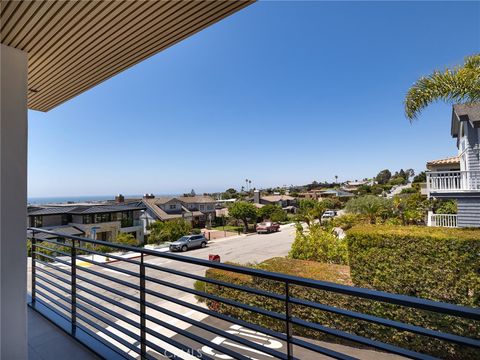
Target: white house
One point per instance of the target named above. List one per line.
(458, 177)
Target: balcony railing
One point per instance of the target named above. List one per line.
(453, 181)
(442, 220)
(126, 316)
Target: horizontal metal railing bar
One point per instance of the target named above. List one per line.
(218, 282)
(52, 300)
(217, 331)
(50, 265)
(52, 250)
(362, 340)
(108, 300)
(106, 266)
(108, 333)
(196, 338)
(110, 323)
(55, 276)
(107, 288)
(108, 311)
(170, 341)
(233, 303)
(403, 300)
(50, 282)
(219, 315)
(51, 241)
(109, 255)
(321, 350)
(54, 259)
(390, 323)
(109, 278)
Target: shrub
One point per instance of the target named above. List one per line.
(196, 231)
(434, 263)
(126, 239)
(319, 245)
(168, 231)
(370, 206)
(410, 190)
(338, 274)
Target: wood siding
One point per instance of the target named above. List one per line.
(74, 45)
(468, 212)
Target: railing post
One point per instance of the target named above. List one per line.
(143, 334)
(33, 249)
(73, 282)
(288, 325)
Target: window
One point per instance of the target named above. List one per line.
(202, 207)
(37, 221)
(101, 218)
(172, 206)
(66, 218)
(88, 219)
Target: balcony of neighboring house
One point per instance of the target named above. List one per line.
(453, 181)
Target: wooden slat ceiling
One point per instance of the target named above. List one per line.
(74, 45)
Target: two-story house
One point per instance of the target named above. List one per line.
(286, 202)
(198, 210)
(98, 221)
(458, 177)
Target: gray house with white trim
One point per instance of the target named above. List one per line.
(458, 177)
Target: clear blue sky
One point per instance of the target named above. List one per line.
(280, 93)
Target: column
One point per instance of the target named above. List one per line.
(13, 203)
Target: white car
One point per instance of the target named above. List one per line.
(328, 214)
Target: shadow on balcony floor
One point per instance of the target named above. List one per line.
(47, 342)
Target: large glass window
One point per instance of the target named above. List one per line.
(101, 218)
(37, 221)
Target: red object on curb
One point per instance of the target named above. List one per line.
(213, 257)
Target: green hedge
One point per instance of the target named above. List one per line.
(338, 274)
(435, 263)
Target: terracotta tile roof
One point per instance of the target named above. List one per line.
(453, 160)
(276, 198)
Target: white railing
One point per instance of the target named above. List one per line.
(447, 181)
(442, 220)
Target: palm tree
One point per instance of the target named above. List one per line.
(458, 85)
(336, 179)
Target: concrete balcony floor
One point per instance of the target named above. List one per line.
(48, 342)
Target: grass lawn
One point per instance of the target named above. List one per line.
(231, 228)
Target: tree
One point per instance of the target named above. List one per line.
(383, 176)
(126, 239)
(168, 231)
(458, 85)
(272, 212)
(370, 206)
(420, 177)
(243, 211)
(411, 209)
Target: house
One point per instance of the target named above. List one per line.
(198, 210)
(354, 185)
(322, 194)
(97, 221)
(458, 177)
(286, 202)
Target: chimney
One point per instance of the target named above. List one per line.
(256, 196)
(119, 199)
(148, 196)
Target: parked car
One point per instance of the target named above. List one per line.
(189, 242)
(267, 227)
(328, 214)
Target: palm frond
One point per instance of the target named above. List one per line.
(458, 85)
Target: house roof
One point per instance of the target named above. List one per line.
(200, 199)
(74, 45)
(464, 112)
(276, 198)
(85, 209)
(64, 229)
(339, 193)
(453, 160)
